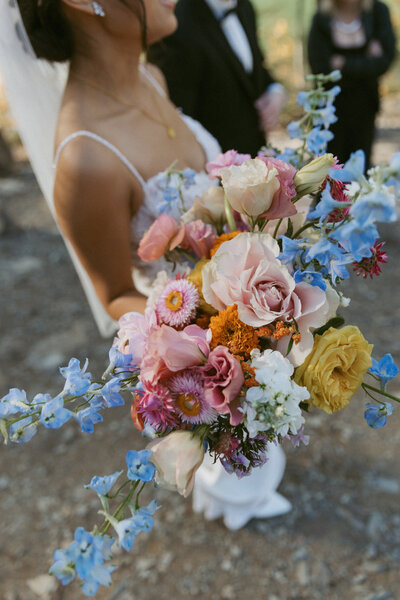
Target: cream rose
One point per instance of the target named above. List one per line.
(335, 368)
(310, 178)
(209, 208)
(250, 187)
(177, 457)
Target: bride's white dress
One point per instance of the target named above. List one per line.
(216, 493)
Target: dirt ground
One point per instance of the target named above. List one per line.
(340, 542)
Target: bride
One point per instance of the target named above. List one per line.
(116, 132)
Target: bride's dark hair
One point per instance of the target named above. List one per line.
(50, 32)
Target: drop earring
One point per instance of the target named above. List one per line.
(98, 9)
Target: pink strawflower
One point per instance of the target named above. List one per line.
(177, 303)
(190, 402)
(370, 266)
(226, 159)
(156, 406)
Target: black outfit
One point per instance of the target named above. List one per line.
(207, 80)
(358, 102)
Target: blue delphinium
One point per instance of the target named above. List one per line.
(13, 403)
(87, 419)
(374, 206)
(22, 431)
(356, 238)
(385, 369)
(353, 169)
(139, 465)
(86, 558)
(77, 380)
(376, 414)
(111, 393)
(54, 415)
(326, 205)
(317, 140)
(291, 249)
(314, 278)
(102, 485)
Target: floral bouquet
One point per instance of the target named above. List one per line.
(242, 335)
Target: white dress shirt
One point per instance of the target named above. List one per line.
(233, 31)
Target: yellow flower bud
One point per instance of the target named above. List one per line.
(310, 178)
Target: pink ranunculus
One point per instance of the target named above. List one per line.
(199, 237)
(134, 330)
(164, 234)
(168, 351)
(223, 379)
(246, 271)
(281, 205)
(227, 159)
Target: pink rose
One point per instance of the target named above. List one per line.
(246, 271)
(169, 351)
(281, 205)
(199, 237)
(134, 329)
(223, 379)
(164, 234)
(226, 159)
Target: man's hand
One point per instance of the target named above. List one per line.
(375, 49)
(269, 107)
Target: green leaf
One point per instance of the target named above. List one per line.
(290, 346)
(336, 322)
(304, 406)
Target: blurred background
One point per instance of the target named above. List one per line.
(342, 539)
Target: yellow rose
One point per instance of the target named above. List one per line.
(196, 278)
(310, 178)
(335, 368)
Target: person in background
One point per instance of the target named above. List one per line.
(215, 72)
(356, 37)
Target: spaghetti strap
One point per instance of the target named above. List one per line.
(100, 140)
(152, 80)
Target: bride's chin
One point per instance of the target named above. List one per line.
(155, 35)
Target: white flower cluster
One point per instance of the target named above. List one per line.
(274, 403)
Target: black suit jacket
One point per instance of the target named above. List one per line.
(207, 80)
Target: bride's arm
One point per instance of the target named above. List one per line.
(94, 195)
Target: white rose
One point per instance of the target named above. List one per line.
(250, 187)
(209, 208)
(177, 457)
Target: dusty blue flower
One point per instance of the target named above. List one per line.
(325, 206)
(139, 465)
(87, 418)
(291, 249)
(353, 169)
(54, 415)
(317, 140)
(22, 431)
(375, 206)
(64, 565)
(102, 485)
(14, 402)
(356, 238)
(311, 277)
(295, 129)
(376, 414)
(385, 368)
(77, 380)
(110, 393)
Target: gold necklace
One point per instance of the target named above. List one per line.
(170, 130)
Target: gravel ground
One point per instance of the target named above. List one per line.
(340, 542)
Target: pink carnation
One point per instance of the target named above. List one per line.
(223, 379)
(282, 205)
(226, 159)
(199, 237)
(164, 234)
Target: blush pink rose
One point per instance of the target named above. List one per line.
(134, 330)
(281, 205)
(168, 351)
(226, 159)
(164, 234)
(246, 271)
(199, 237)
(223, 379)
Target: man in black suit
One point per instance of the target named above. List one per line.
(215, 72)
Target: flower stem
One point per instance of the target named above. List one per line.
(366, 386)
